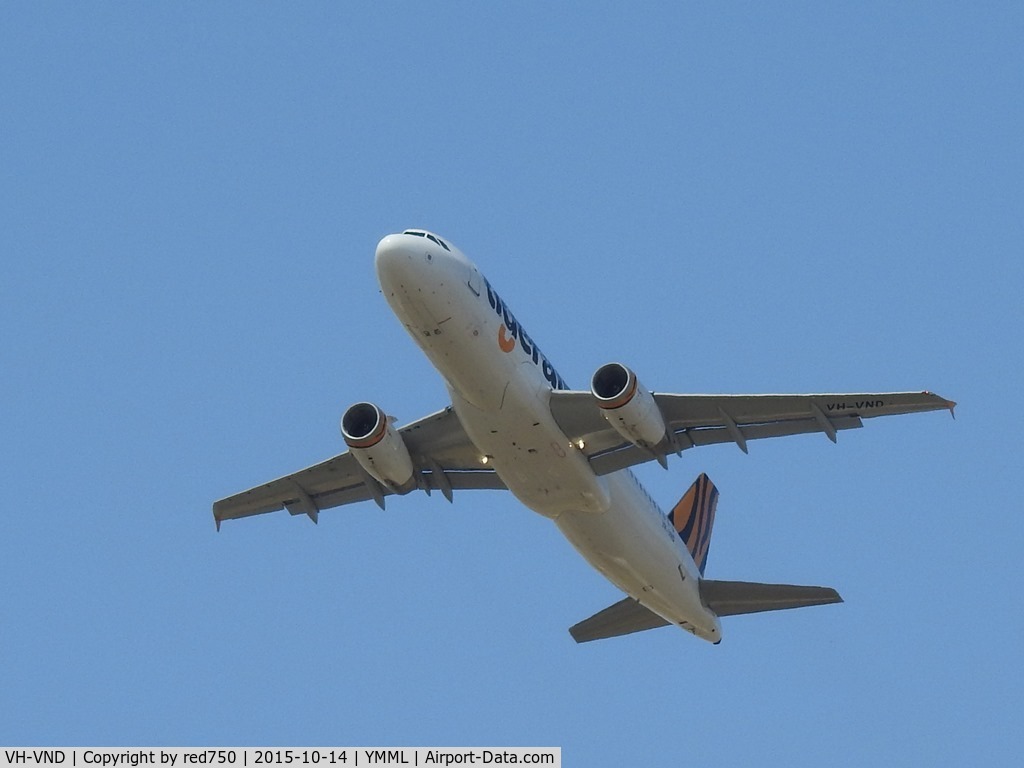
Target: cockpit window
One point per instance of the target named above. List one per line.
(429, 236)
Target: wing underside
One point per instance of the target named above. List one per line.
(444, 457)
(446, 460)
(697, 420)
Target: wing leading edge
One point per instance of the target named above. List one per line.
(695, 420)
(444, 457)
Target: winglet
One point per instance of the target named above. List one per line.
(950, 404)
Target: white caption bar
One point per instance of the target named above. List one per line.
(322, 757)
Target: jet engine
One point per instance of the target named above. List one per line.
(378, 447)
(628, 406)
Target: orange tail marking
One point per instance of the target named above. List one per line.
(694, 516)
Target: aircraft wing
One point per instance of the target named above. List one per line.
(444, 457)
(695, 420)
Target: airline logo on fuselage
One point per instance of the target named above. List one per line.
(510, 331)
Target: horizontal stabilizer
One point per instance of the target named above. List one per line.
(731, 598)
(724, 598)
(623, 618)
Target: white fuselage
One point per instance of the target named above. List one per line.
(500, 385)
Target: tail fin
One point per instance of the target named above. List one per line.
(693, 517)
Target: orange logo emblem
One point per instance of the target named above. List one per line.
(504, 342)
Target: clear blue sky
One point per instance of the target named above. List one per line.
(755, 198)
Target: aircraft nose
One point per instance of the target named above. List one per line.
(391, 253)
(396, 258)
(414, 259)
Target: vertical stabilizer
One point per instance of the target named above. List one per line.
(693, 518)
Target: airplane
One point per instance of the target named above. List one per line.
(514, 424)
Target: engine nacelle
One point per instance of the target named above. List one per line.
(628, 406)
(378, 447)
